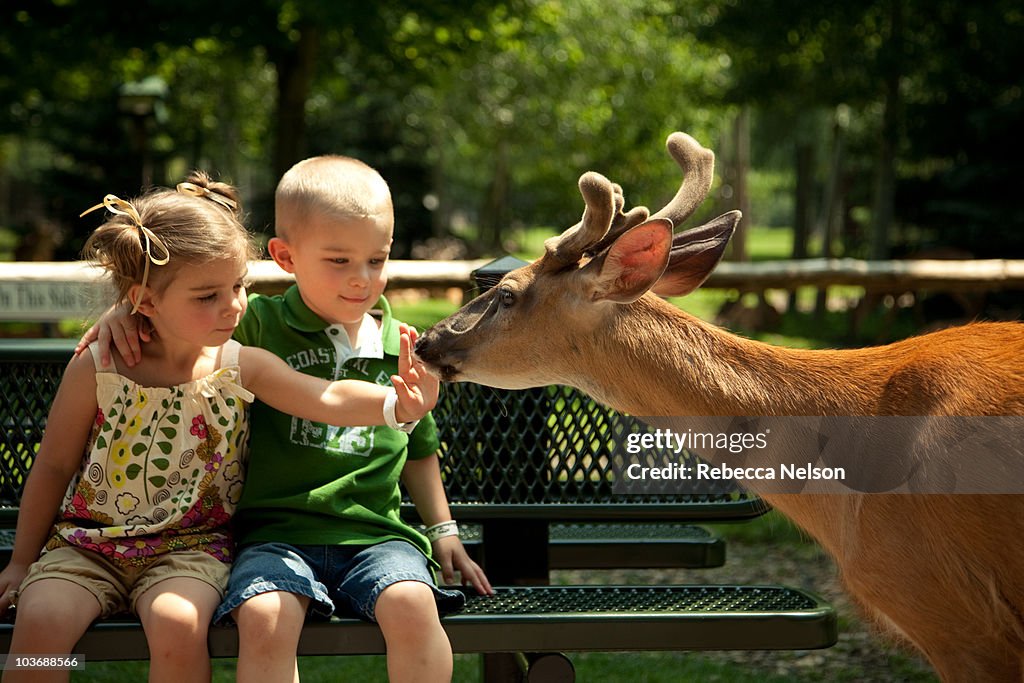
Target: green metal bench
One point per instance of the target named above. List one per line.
(531, 482)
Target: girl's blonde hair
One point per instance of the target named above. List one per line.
(147, 239)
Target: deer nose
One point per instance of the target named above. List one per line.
(423, 345)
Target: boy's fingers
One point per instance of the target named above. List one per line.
(405, 392)
(104, 340)
(479, 581)
(89, 337)
(447, 571)
(127, 344)
(408, 365)
(404, 353)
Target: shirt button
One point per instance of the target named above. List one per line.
(334, 331)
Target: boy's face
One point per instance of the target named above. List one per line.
(338, 263)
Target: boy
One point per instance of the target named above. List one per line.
(318, 524)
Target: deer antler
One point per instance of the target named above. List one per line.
(604, 221)
(698, 165)
(599, 197)
(621, 222)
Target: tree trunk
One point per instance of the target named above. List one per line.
(494, 214)
(802, 205)
(295, 67)
(831, 213)
(885, 180)
(741, 192)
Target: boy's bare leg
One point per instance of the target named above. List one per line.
(269, 626)
(418, 646)
(51, 617)
(175, 615)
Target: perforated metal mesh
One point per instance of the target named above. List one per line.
(28, 383)
(549, 446)
(636, 532)
(582, 531)
(553, 445)
(634, 599)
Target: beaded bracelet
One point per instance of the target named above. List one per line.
(440, 530)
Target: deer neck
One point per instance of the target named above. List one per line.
(658, 360)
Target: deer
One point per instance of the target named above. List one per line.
(941, 572)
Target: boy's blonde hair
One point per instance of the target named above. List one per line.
(148, 238)
(331, 185)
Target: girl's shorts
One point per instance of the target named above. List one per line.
(338, 579)
(118, 588)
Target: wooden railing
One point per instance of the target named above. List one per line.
(49, 291)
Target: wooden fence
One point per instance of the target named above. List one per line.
(46, 292)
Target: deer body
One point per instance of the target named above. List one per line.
(943, 571)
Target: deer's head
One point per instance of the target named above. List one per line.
(534, 326)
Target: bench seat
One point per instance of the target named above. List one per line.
(554, 619)
(529, 476)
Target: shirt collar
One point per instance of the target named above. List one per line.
(300, 317)
(369, 340)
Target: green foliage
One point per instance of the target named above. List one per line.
(589, 85)
(487, 113)
(936, 84)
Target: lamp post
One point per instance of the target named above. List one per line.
(143, 103)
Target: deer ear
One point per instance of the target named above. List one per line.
(633, 262)
(695, 253)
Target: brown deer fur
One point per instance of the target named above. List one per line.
(945, 572)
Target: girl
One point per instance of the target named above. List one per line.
(142, 521)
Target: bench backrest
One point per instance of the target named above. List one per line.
(536, 454)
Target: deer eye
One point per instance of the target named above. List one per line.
(507, 297)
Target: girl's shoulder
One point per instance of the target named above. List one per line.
(252, 359)
(149, 375)
(81, 370)
(78, 381)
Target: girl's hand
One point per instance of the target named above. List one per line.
(451, 555)
(417, 389)
(10, 581)
(119, 326)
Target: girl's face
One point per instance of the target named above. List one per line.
(202, 305)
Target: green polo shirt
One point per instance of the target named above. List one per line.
(310, 483)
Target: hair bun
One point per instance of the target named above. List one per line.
(200, 184)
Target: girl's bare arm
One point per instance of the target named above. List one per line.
(71, 417)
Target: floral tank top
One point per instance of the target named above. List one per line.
(163, 468)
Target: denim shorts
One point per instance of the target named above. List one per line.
(338, 579)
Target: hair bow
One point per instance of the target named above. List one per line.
(204, 192)
(147, 238)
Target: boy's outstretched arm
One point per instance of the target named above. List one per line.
(422, 479)
(343, 403)
(117, 325)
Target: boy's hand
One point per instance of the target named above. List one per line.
(417, 389)
(119, 326)
(451, 555)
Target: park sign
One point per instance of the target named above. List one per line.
(36, 291)
(31, 292)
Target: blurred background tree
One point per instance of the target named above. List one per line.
(873, 129)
